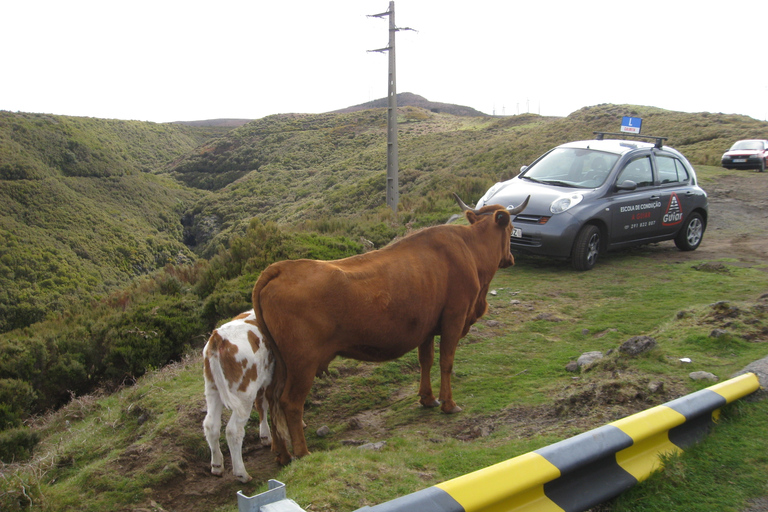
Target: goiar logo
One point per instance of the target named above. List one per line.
(674, 214)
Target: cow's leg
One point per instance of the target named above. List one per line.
(426, 358)
(448, 346)
(261, 408)
(297, 385)
(212, 427)
(235, 436)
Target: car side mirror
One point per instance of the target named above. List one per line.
(523, 168)
(626, 185)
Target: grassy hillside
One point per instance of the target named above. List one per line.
(327, 172)
(88, 204)
(81, 211)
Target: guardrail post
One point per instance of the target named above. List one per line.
(271, 500)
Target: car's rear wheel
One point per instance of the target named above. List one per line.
(690, 235)
(586, 248)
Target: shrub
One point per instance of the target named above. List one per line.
(16, 397)
(17, 444)
(148, 336)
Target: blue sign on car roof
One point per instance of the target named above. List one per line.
(631, 124)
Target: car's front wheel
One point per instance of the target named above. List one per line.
(690, 235)
(586, 248)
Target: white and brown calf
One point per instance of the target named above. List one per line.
(238, 368)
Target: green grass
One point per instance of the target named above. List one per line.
(106, 453)
(518, 366)
(510, 378)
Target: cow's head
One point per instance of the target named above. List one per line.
(502, 217)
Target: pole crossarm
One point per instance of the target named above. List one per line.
(380, 15)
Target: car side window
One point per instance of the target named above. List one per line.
(671, 170)
(639, 171)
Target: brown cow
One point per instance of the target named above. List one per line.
(376, 307)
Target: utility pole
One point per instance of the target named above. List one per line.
(393, 193)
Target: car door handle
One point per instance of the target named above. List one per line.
(656, 197)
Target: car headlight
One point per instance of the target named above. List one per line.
(565, 203)
(491, 192)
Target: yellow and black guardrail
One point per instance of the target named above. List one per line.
(585, 470)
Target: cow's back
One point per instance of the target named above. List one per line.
(377, 305)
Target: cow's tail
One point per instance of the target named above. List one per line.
(279, 424)
(213, 355)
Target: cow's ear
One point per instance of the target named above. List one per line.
(501, 217)
(471, 216)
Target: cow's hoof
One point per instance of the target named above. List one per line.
(429, 405)
(266, 441)
(451, 410)
(216, 470)
(244, 478)
(284, 459)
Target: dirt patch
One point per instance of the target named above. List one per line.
(192, 487)
(738, 223)
(758, 505)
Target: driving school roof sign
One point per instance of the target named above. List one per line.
(631, 124)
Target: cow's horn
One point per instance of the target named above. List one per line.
(515, 211)
(463, 206)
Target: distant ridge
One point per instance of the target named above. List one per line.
(405, 99)
(230, 123)
(408, 99)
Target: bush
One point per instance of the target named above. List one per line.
(17, 444)
(16, 397)
(148, 336)
(146, 326)
(230, 298)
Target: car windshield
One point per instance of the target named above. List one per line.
(572, 167)
(748, 144)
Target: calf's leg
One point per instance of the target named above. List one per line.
(212, 427)
(235, 436)
(261, 407)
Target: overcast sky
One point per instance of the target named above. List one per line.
(169, 60)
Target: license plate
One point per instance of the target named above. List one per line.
(517, 233)
(739, 160)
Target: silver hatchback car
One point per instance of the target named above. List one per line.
(592, 196)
